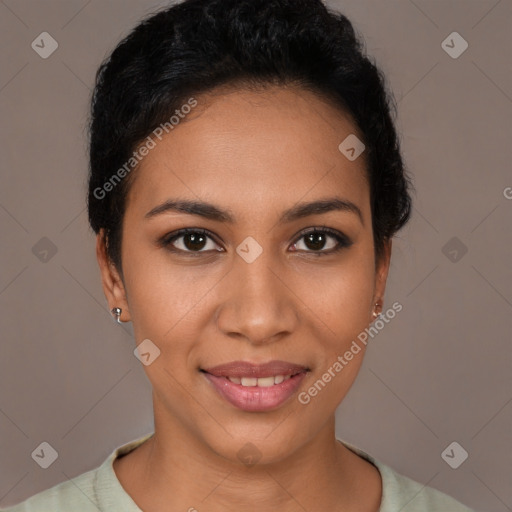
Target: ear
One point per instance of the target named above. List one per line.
(113, 286)
(381, 276)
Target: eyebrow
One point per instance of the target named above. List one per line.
(212, 212)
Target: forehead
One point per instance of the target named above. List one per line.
(253, 148)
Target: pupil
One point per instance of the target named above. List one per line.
(311, 238)
(194, 239)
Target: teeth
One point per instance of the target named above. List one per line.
(264, 382)
(249, 381)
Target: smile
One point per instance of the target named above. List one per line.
(255, 387)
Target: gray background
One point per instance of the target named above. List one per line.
(439, 372)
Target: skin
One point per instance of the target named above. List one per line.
(256, 153)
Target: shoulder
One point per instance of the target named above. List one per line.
(75, 494)
(94, 490)
(402, 493)
(407, 495)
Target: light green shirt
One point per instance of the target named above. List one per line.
(100, 490)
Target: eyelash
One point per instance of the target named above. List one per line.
(342, 240)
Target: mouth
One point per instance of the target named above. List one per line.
(262, 382)
(256, 387)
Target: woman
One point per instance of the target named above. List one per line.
(245, 186)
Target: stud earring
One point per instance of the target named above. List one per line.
(375, 314)
(117, 313)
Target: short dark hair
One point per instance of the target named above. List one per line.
(192, 47)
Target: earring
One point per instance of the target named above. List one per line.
(117, 313)
(375, 314)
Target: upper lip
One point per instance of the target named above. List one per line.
(246, 369)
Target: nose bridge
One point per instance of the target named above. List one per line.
(257, 306)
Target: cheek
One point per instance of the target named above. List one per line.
(338, 308)
(166, 299)
(338, 300)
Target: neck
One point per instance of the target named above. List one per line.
(174, 470)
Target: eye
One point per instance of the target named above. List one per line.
(189, 240)
(196, 240)
(315, 241)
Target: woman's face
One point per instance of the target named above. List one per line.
(255, 288)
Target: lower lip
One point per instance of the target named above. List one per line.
(255, 398)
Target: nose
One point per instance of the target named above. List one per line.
(257, 305)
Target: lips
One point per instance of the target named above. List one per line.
(256, 387)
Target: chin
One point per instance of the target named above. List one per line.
(250, 444)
